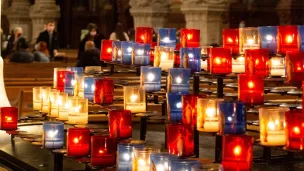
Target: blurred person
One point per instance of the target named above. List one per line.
(22, 54)
(12, 41)
(90, 57)
(131, 33)
(119, 34)
(42, 53)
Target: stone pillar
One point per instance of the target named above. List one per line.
(284, 11)
(18, 16)
(208, 16)
(150, 13)
(42, 12)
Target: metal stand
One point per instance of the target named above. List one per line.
(143, 128)
(137, 71)
(58, 160)
(112, 68)
(218, 138)
(196, 82)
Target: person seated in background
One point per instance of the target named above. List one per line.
(119, 34)
(12, 41)
(42, 53)
(90, 57)
(22, 54)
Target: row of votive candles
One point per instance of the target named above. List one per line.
(59, 105)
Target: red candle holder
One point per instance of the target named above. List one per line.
(152, 52)
(9, 118)
(288, 39)
(251, 89)
(120, 124)
(294, 67)
(78, 142)
(106, 50)
(231, 40)
(189, 108)
(237, 152)
(190, 38)
(143, 35)
(61, 79)
(294, 120)
(303, 95)
(180, 139)
(104, 91)
(220, 61)
(103, 150)
(257, 62)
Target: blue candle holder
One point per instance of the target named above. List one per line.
(268, 37)
(141, 54)
(191, 58)
(150, 78)
(53, 134)
(89, 88)
(174, 107)
(167, 37)
(233, 117)
(185, 165)
(126, 49)
(125, 154)
(116, 51)
(161, 161)
(76, 70)
(301, 33)
(178, 80)
(69, 83)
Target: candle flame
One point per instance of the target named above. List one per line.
(189, 36)
(142, 37)
(289, 39)
(76, 140)
(133, 97)
(250, 84)
(101, 151)
(8, 118)
(142, 162)
(229, 40)
(241, 58)
(210, 111)
(218, 60)
(275, 62)
(109, 50)
(271, 126)
(269, 37)
(296, 130)
(178, 80)
(151, 77)
(237, 150)
(52, 133)
(250, 41)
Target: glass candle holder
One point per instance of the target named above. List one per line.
(161, 161)
(220, 61)
(104, 91)
(89, 87)
(189, 108)
(134, 99)
(54, 103)
(37, 98)
(294, 120)
(116, 51)
(185, 165)
(76, 70)
(207, 115)
(78, 113)
(78, 142)
(141, 54)
(180, 139)
(272, 126)
(126, 50)
(233, 118)
(53, 134)
(125, 154)
(143, 35)
(257, 62)
(249, 38)
(64, 106)
(268, 38)
(178, 80)
(301, 37)
(150, 78)
(163, 57)
(103, 150)
(288, 39)
(141, 161)
(55, 76)
(120, 124)
(189, 37)
(166, 37)
(238, 65)
(9, 118)
(251, 89)
(191, 58)
(45, 99)
(79, 85)
(174, 107)
(61, 79)
(237, 152)
(106, 50)
(294, 67)
(277, 66)
(231, 40)
(69, 83)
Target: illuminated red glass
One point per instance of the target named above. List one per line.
(231, 40)
(9, 118)
(180, 139)
(288, 39)
(61, 79)
(294, 67)
(143, 35)
(257, 62)
(106, 50)
(104, 91)
(189, 38)
(303, 95)
(189, 106)
(294, 120)
(78, 142)
(220, 61)
(237, 152)
(251, 89)
(103, 150)
(120, 124)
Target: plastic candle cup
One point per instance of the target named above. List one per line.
(78, 142)
(61, 79)
(9, 118)
(55, 76)
(268, 38)
(64, 105)
(103, 150)
(134, 99)
(89, 87)
(231, 40)
(166, 37)
(191, 58)
(163, 57)
(78, 113)
(69, 83)
(104, 91)
(220, 61)
(125, 154)
(294, 67)
(141, 161)
(249, 38)
(126, 50)
(189, 37)
(288, 39)
(251, 89)
(174, 107)
(277, 66)
(53, 135)
(106, 50)
(294, 120)
(189, 108)
(150, 78)
(185, 165)
(178, 80)
(143, 34)
(37, 98)
(120, 124)
(161, 161)
(257, 62)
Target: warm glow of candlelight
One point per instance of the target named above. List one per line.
(52, 133)
(151, 77)
(229, 40)
(129, 49)
(237, 150)
(178, 80)
(189, 36)
(101, 151)
(217, 60)
(7, 118)
(250, 41)
(210, 112)
(289, 39)
(271, 126)
(142, 162)
(275, 62)
(76, 140)
(119, 52)
(109, 50)
(179, 105)
(296, 130)
(140, 52)
(269, 37)
(133, 97)
(250, 84)
(142, 37)
(241, 58)
(166, 40)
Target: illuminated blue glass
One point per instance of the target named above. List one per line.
(174, 107)
(126, 48)
(161, 161)
(69, 83)
(125, 157)
(301, 33)
(167, 37)
(141, 54)
(179, 80)
(184, 164)
(191, 58)
(116, 51)
(151, 77)
(89, 88)
(268, 35)
(53, 134)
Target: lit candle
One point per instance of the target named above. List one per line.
(106, 50)
(220, 61)
(126, 49)
(103, 151)
(178, 80)
(189, 108)
(125, 154)
(190, 37)
(78, 142)
(231, 40)
(37, 98)
(143, 34)
(163, 57)
(141, 54)
(174, 107)
(249, 38)
(277, 66)
(294, 120)
(54, 103)
(191, 58)
(134, 99)
(161, 161)
(89, 87)
(257, 62)
(294, 67)
(120, 124)
(104, 91)
(64, 105)
(53, 134)
(268, 36)
(141, 161)
(166, 37)
(288, 39)
(8, 118)
(70, 83)
(61, 79)
(251, 89)
(45, 98)
(150, 79)
(185, 165)
(55, 76)
(78, 113)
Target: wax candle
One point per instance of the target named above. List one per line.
(249, 38)
(45, 101)
(166, 37)
(9, 118)
(251, 89)
(294, 120)
(257, 62)
(288, 39)
(143, 34)
(189, 37)
(141, 54)
(185, 165)
(120, 124)
(106, 50)
(161, 161)
(189, 108)
(207, 115)
(238, 65)
(231, 40)
(178, 80)
(78, 113)
(272, 127)
(150, 78)
(104, 91)
(163, 57)
(294, 67)
(78, 142)
(141, 161)
(64, 106)
(53, 134)
(125, 154)
(220, 61)
(37, 98)
(268, 38)
(89, 87)
(277, 66)
(191, 58)
(103, 150)
(134, 99)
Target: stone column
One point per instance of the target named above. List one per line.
(42, 12)
(150, 13)
(18, 16)
(208, 16)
